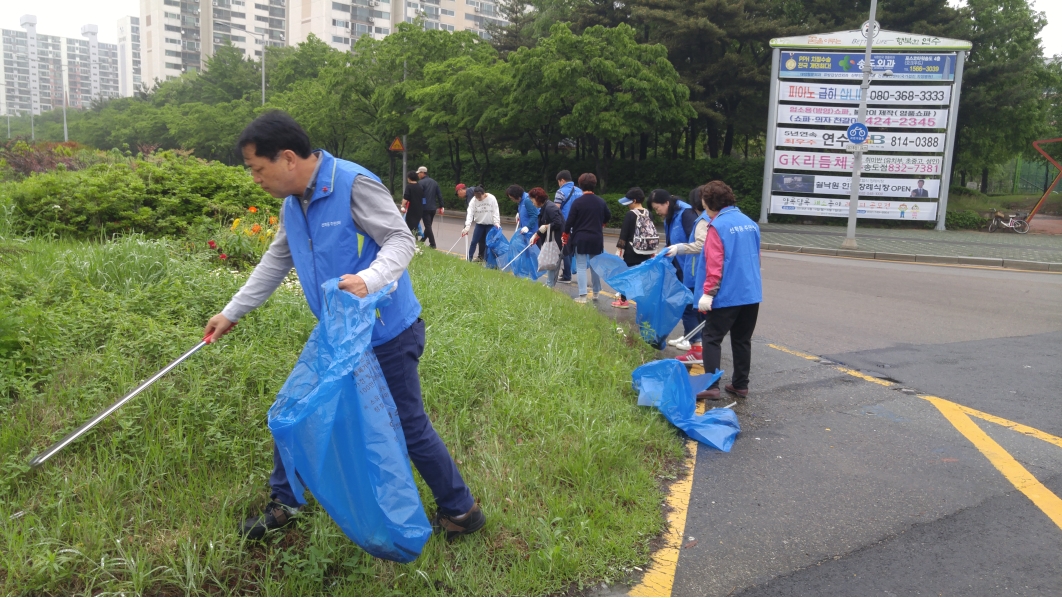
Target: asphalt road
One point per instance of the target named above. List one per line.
(839, 486)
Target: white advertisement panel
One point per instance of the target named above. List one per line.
(884, 210)
(825, 162)
(821, 184)
(842, 116)
(876, 142)
(835, 93)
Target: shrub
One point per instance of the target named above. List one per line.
(164, 194)
(964, 220)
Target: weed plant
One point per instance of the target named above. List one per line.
(531, 393)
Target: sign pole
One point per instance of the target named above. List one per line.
(861, 118)
(768, 154)
(949, 148)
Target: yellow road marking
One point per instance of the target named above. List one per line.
(1015, 473)
(839, 368)
(1022, 428)
(660, 576)
(792, 352)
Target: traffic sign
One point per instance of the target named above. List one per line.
(857, 133)
(396, 145)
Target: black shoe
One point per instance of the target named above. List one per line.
(461, 525)
(569, 279)
(274, 516)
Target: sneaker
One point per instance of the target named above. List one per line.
(621, 304)
(477, 259)
(741, 392)
(710, 394)
(274, 516)
(565, 280)
(593, 296)
(692, 357)
(461, 525)
(680, 343)
(580, 299)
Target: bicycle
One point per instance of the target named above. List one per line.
(1014, 222)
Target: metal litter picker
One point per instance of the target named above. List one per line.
(102, 415)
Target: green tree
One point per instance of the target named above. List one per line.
(1003, 106)
(606, 87)
(209, 130)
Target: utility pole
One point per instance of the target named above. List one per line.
(33, 131)
(405, 146)
(861, 118)
(66, 137)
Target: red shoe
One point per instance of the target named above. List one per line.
(692, 357)
(710, 394)
(741, 392)
(621, 305)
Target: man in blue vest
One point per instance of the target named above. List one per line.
(339, 221)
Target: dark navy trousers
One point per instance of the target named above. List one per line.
(399, 359)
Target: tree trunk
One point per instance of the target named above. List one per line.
(643, 147)
(984, 180)
(486, 157)
(713, 139)
(694, 135)
(675, 138)
(962, 178)
(746, 147)
(475, 160)
(728, 141)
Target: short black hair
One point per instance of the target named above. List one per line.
(564, 175)
(273, 132)
(516, 192)
(412, 176)
(635, 194)
(921, 180)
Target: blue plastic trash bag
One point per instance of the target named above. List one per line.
(497, 248)
(659, 296)
(524, 265)
(666, 385)
(337, 430)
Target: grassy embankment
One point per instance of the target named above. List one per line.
(531, 393)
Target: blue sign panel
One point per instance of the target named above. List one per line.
(849, 65)
(857, 133)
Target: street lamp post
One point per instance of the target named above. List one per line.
(861, 118)
(262, 36)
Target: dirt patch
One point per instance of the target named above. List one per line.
(1044, 224)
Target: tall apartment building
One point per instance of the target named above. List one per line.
(341, 22)
(129, 75)
(37, 68)
(177, 36)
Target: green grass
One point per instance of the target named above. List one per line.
(983, 204)
(531, 393)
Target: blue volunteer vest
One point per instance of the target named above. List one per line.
(676, 234)
(741, 284)
(697, 262)
(528, 216)
(326, 243)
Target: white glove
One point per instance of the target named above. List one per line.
(403, 210)
(671, 251)
(705, 304)
(464, 231)
(542, 229)
(523, 231)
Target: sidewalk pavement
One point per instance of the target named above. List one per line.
(1042, 252)
(1001, 249)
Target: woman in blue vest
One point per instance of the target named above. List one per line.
(732, 289)
(526, 211)
(339, 221)
(679, 225)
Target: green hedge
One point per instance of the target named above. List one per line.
(164, 194)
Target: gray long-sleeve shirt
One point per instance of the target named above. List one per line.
(374, 212)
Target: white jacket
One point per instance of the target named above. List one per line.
(483, 211)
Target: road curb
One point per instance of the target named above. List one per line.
(991, 262)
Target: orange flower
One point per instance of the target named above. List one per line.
(256, 229)
(252, 209)
(272, 221)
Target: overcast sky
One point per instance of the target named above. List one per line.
(65, 18)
